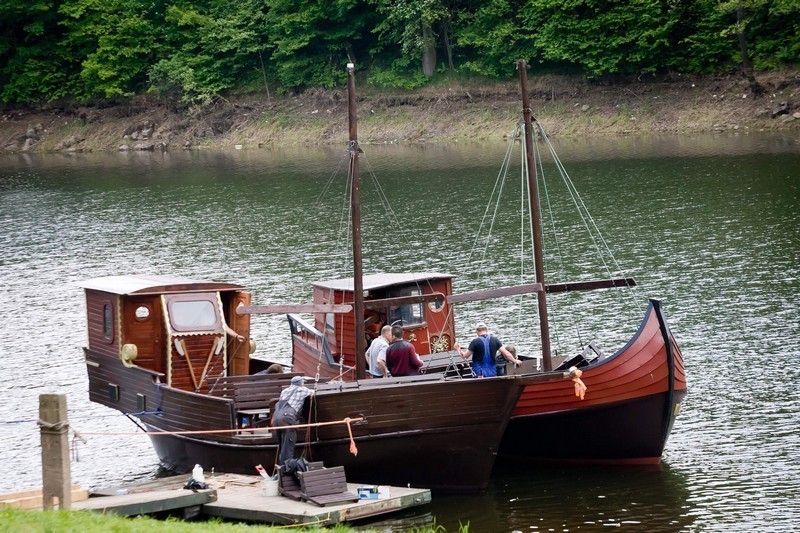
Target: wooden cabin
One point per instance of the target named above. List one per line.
(408, 300)
(185, 330)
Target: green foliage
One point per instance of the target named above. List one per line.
(403, 20)
(117, 40)
(211, 47)
(83, 521)
(604, 37)
(33, 64)
(311, 40)
(493, 39)
(194, 50)
(697, 36)
(400, 74)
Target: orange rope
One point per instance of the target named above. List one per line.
(353, 448)
(580, 386)
(213, 431)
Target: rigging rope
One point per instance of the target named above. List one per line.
(588, 220)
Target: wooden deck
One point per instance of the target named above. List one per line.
(239, 497)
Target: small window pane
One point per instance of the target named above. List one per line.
(108, 322)
(194, 315)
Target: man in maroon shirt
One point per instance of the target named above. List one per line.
(401, 358)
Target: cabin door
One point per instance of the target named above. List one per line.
(197, 347)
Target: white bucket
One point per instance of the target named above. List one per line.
(269, 486)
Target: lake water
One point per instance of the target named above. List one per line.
(708, 224)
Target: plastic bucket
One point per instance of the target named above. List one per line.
(269, 487)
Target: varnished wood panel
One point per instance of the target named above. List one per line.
(95, 302)
(148, 334)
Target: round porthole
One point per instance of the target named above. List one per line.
(142, 312)
(437, 306)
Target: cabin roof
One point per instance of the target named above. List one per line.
(379, 281)
(147, 284)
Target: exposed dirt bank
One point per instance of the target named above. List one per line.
(565, 106)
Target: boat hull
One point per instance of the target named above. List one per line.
(631, 431)
(421, 431)
(632, 400)
(399, 460)
(628, 411)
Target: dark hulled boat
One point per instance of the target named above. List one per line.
(173, 353)
(159, 349)
(633, 395)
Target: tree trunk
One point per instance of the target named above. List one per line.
(747, 64)
(429, 52)
(446, 30)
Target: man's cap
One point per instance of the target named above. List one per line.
(480, 326)
(297, 380)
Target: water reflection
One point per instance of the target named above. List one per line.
(536, 497)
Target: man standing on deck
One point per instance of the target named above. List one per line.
(401, 357)
(287, 413)
(482, 349)
(376, 354)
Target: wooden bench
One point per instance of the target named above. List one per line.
(325, 486)
(253, 396)
(289, 485)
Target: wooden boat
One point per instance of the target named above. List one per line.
(633, 395)
(173, 354)
(158, 351)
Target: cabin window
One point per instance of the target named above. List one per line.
(142, 313)
(108, 322)
(409, 314)
(194, 312)
(330, 321)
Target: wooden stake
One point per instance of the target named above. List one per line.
(55, 451)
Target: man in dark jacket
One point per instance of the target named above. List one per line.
(401, 357)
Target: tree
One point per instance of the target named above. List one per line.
(34, 66)
(212, 46)
(116, 41)
(492, 39)
(311, 40)
(415, 25)
(603, 37)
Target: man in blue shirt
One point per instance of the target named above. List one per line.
(482, 349)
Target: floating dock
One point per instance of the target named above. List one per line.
(240, 497)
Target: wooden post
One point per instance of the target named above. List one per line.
(55, 451)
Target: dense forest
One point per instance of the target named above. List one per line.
(192, 50)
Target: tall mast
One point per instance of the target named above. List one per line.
(536, 220)
(355, 206)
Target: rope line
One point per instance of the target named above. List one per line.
(346, 421)
(53, 426)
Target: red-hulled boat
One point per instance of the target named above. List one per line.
(633, 395)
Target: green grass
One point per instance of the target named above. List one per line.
(18, 520)
(82, 521)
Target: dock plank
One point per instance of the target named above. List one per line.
(149, 502)
(242, 499)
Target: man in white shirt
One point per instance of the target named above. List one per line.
(376, 353)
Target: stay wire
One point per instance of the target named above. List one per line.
(589, 222)
(539, 169)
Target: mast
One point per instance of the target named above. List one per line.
(536, 220)
(355, 206)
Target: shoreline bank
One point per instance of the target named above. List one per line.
(445, 113)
